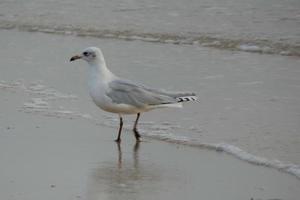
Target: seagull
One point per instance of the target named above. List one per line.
(117, 95)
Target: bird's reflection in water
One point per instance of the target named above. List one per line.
(135, 155)
(126, 177)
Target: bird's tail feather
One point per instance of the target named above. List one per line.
(186, 98)
(182, 96)
(178, 96)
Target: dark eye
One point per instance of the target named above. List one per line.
(85, 53)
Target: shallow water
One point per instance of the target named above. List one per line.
(256, 26)
(249, 102)
(246, 100)
(57, 157)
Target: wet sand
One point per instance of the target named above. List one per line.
(247, 100)
(55, 144)
(46, 157)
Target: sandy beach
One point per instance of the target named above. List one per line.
(58, 158)
(56, 144)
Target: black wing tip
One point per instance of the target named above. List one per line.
(187, 98)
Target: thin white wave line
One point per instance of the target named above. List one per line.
(219, 147)
(247, 45)
(291, 169)
(227, 148)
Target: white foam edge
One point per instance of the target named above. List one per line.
(40, 105)
(235, 151)
(162, 133)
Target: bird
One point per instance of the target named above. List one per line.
(121, 96)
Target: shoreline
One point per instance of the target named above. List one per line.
(260, 46)
(39, 105)
(52, 146)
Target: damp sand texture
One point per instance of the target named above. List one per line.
(55, 144)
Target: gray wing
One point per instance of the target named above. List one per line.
(126, 92)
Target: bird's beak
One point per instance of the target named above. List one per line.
(75, 58)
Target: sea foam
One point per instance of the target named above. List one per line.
(231, 150)
(40, 103)
(253, 45)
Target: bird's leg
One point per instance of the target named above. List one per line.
(118, 140)
(136, 133)
(136, 155)
(119, 155)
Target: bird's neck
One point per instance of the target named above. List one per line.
(99, 73)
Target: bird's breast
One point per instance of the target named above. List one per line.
(97, 92)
